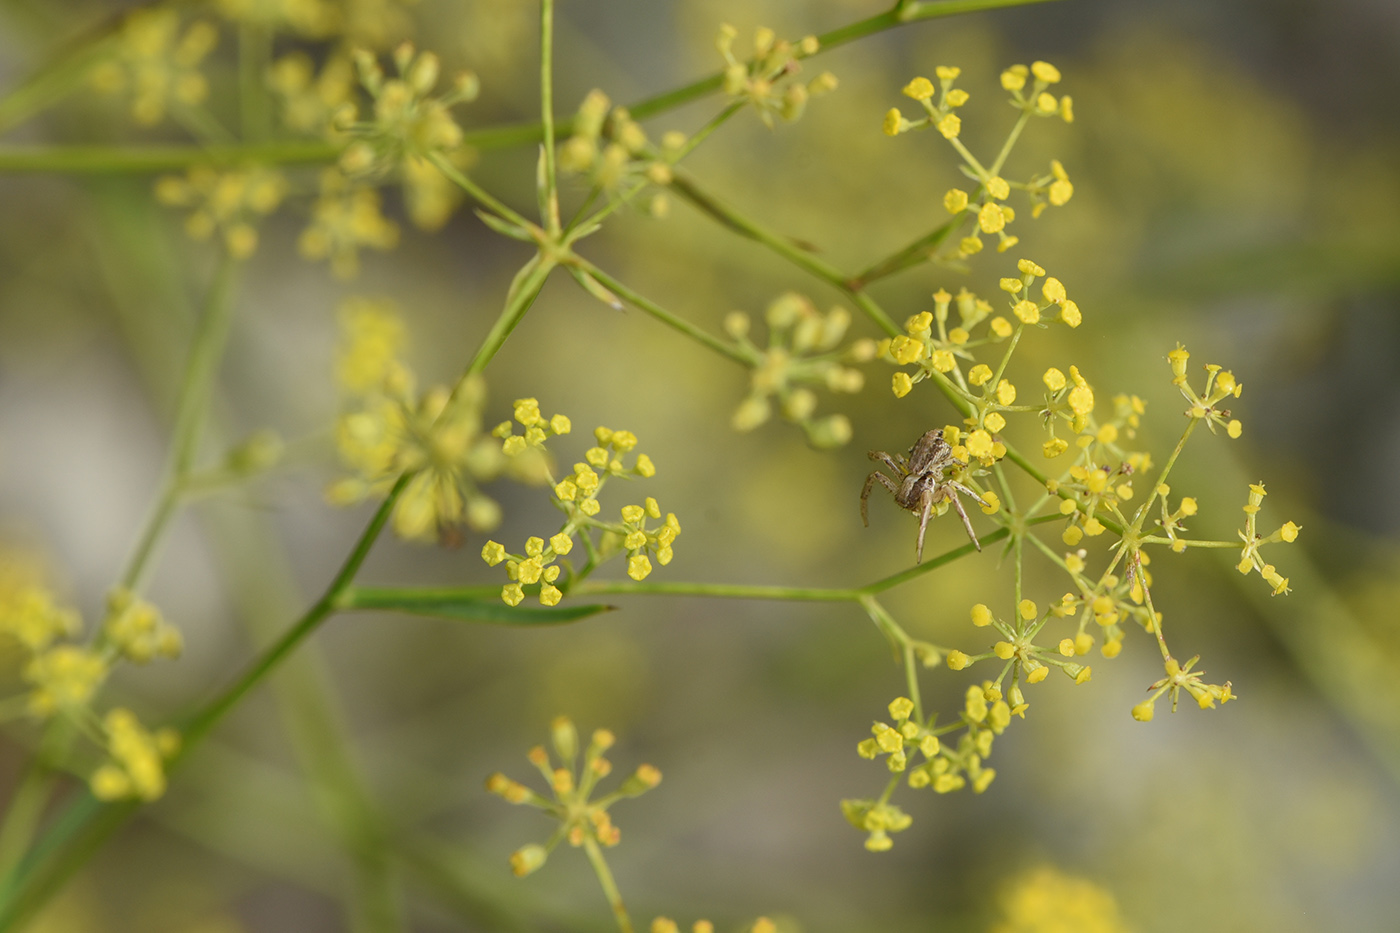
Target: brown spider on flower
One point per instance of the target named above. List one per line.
(920, 483)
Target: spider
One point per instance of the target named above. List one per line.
(920, 483)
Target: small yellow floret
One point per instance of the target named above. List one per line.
(919, 89)
(981, 615)
(1044, 71)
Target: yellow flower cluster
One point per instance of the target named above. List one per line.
(986, 205)
(1042, 900)
(137, 630)
(405, 120)
(583, 819)
(801, 352)
(1183, 678)
(136, 762)
(63, 677)
(1107, 602)
(229, 203)
(1101, 475)
(1250, 559)
(406, 129)
(767, 80)
(346, 217)
(939, 351)
(577, 496)
(942, 767)
(612, 149)
(941, 114)
(1220, 385)
(156, 64)
(313, 102)
(389, 430)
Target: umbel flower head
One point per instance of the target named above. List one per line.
(986, 205)
(576, 495)
(768, 79)
(156, 64)
(802, 354)
(390, 429)
(63, 677)
(227, 203)
(583, 818)
(407, 129)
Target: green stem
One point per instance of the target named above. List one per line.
(549, 215)
(480, 194)
(688, 189)
(1010, 143)
(150, 159)
(919, 251)
(510, 317)
(195, 391)
(661, 314)
(205, 720)
(605, 878)
(30, 798)
(1141, 515)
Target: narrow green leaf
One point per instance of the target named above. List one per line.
(467, 606)
(596, 289)
(504, 227)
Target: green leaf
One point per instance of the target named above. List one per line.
(596, 289)
(504, 227)
(478, 604)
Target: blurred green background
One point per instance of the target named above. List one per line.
(1237, 189)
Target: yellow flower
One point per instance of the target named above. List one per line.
(991, 218)
(1044, 71)
(919, 89)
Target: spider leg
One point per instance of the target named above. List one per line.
(962, 513)
(925, 508)
(895, 462)
(963, 489)
(870, 482)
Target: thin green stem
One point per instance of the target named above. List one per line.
(1141, 515)
(605, 878)
(150, 159)
(480, 194)
(970, 159)
(195, 392)
(919, 251)
(1010, 143)
(27, 805)
(661, 314)
(203, 721)
(549, 215)
(690, 190)
(527, 289)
